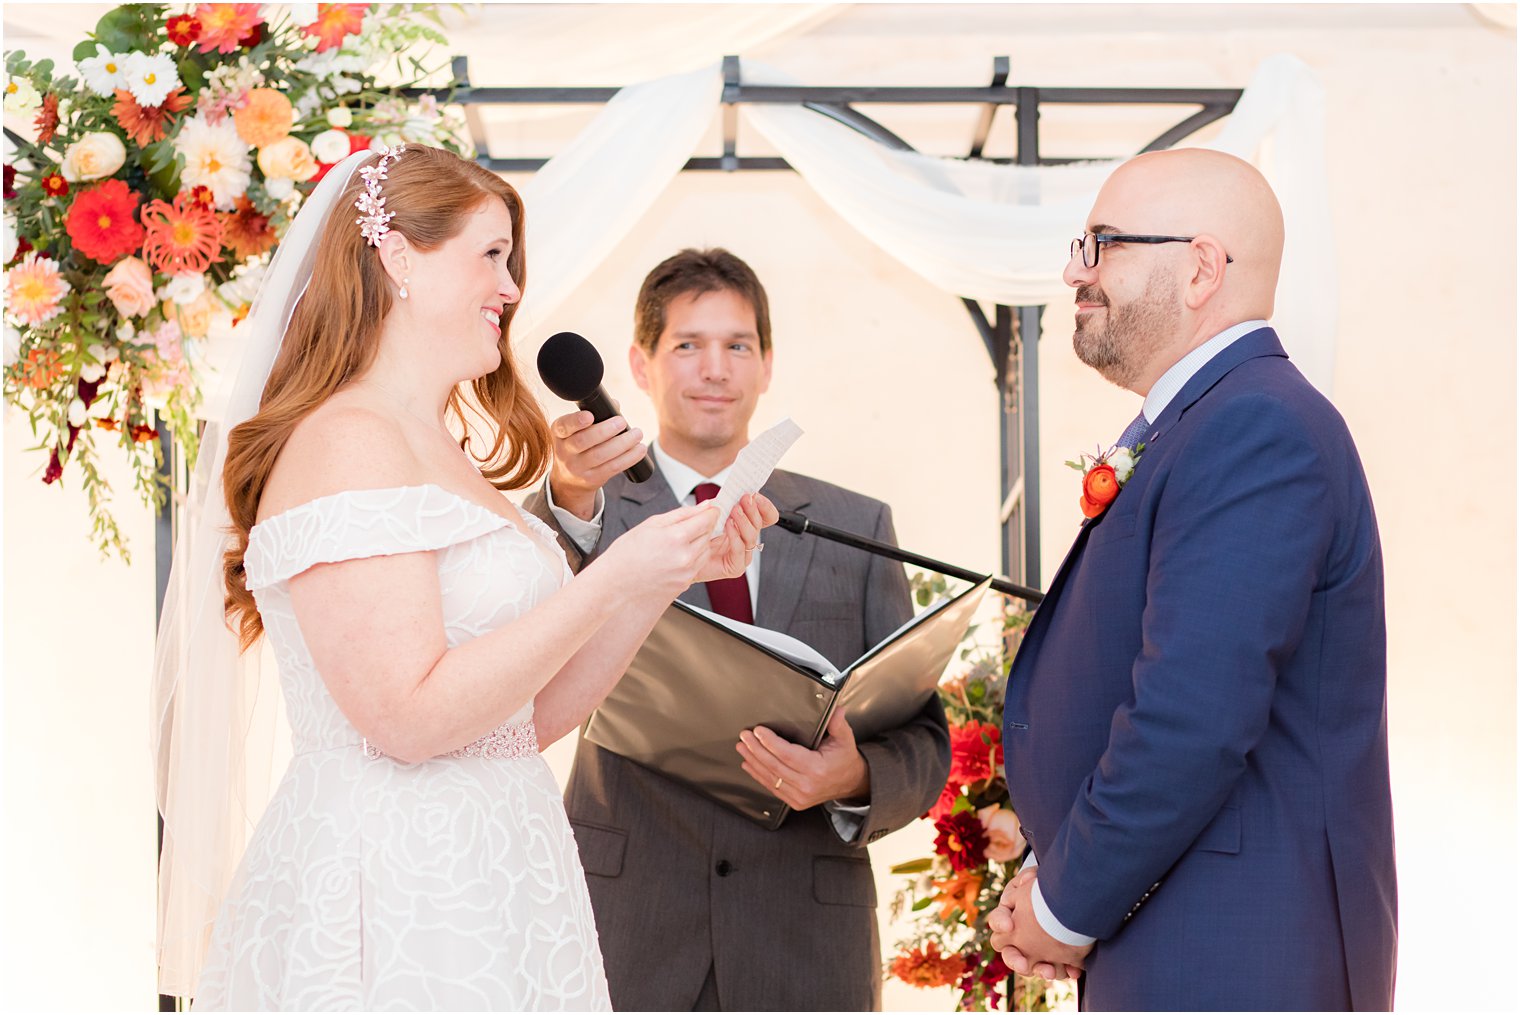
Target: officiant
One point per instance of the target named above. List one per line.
(697, 907)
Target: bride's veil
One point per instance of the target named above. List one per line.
(212, 726)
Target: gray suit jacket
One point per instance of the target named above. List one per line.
(680, 885)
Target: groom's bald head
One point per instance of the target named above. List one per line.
(1145, 306)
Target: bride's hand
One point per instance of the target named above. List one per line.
(733, 548)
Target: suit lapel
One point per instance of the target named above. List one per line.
(784, 563)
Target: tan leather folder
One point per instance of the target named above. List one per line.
(700, 679)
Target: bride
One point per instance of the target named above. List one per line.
(429, 636)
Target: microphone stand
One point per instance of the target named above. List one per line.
(792, 521)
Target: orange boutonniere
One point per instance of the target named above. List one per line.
(1103, 476)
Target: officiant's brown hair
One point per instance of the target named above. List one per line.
(334, 335)
(695, 272)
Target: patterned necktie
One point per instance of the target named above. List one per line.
(1133, 433)
(730, 596)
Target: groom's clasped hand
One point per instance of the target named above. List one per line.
(1023, 944)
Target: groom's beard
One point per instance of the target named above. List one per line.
(1129, 335)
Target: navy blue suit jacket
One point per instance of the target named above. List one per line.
(1199, 706)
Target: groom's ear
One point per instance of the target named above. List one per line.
(396, 255)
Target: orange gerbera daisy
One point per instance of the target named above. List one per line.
(225, 26)
(34, 290)
(100, 222)
(926, 967)
(146, 124)
(182, 237)
(334, 21)
(245, 231)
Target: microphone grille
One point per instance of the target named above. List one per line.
(570, 366)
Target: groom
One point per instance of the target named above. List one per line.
(1195, 729)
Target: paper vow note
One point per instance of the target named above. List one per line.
(754, 466)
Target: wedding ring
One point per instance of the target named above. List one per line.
(778, 784)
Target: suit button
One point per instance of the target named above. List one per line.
(724, 868)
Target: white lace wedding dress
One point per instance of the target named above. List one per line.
(369, 884)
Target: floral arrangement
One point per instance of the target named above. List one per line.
(1103, 476)
(977, 844)
(143, 197)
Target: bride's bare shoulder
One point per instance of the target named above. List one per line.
(342, 444)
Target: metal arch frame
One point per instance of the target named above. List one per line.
(1011, 334)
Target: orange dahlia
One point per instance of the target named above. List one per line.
(145, 124)
(100, 222)
(265, 118)
(926, 967)
(245, 231)
(334, 21)
(182, 237)
(225, 26)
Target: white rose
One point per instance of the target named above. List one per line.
(279, 187)
(330, 146)
(94, 156)
(12, 345)
(340, 116)
(183, 289)
(76, 413)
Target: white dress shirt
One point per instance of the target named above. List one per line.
(1156, 401)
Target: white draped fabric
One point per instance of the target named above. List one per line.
(991, 232)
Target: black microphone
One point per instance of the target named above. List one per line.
(572, 369)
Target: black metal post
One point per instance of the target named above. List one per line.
(163, 559)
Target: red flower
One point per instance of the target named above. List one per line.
(10, 182)
(23, 247)
(183, 30)
(947, 798)
(145, 124)
(962, 840)
(926, 967)
(182, 237)
(246, 232)
(54, 185)
(976, 749)
(47, 119)
(202, 196)
(334, 21)
(1099, 488)
(225, 26)
(100, 222)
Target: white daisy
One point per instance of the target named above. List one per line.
(215, 157)
(104, 72)
(21, 96)
(151, 77)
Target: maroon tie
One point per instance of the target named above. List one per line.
(730, 596)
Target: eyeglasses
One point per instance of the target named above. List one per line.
(1089, 245)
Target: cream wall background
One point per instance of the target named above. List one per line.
(893, 387)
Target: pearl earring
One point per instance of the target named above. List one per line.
(404, 283)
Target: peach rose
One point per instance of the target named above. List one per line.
(130, 287)
(287, 159)
(94, 156)
(265, 119)
(1004, 840)
(194, 317)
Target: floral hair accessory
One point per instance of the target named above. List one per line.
(1104, 475)
(374, 220)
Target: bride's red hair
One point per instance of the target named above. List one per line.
(334, 335)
